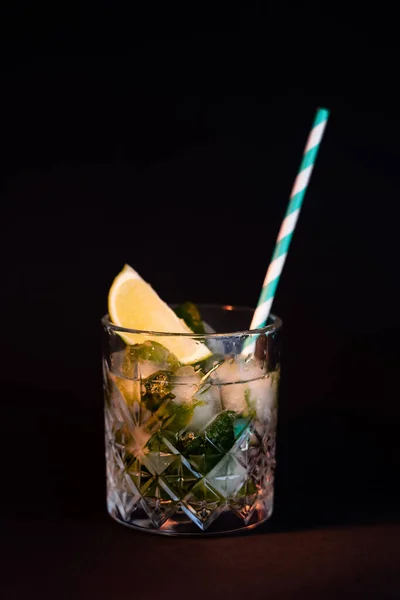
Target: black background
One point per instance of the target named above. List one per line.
(168, 137)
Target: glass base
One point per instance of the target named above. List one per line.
(227, 522)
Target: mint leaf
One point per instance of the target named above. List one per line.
(220, 432)
(157, 388)
(148, 351)
(189, 312)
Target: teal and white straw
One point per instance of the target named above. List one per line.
(289, 222)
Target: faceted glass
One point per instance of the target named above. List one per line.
(190, 448)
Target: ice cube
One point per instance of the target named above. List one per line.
(185, 383)
(236, 379)
(238, 371)
(147, 368)
(232, 394)
(209, 406)
(263, 396)
(188, 387)
(131, 367)
(141, 361)
(233, 397)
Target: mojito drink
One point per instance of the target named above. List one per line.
(190, 448)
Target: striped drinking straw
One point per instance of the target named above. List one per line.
(289, 223)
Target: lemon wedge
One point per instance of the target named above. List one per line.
(134, 304)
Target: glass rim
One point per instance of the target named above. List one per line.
(268, 329)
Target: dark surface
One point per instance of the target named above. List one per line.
(170, 141)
